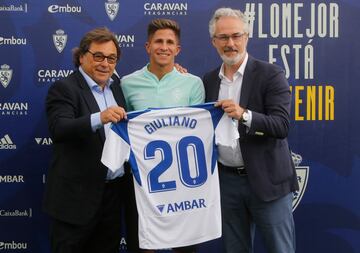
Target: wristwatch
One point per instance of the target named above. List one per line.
(245, 116)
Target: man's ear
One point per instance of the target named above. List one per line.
(147, 44)
(213, 42)
(178, 49)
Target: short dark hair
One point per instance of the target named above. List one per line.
(162, 23)
(98, 35)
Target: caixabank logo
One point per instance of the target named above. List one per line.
(157, 8)
(302, 177)
(14, 8)
(9, 213)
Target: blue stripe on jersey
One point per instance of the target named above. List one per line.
(216, 114)
(121, 129)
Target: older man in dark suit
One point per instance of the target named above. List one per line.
(83, 198)
(257, 179)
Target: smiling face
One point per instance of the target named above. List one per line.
(100, 72)
(162, 48)
(231, 51)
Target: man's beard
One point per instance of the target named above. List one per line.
(232, 60)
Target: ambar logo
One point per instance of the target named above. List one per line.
(7, 143)
(44, 141)
(12, 179)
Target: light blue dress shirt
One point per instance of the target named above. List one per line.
(104, 99)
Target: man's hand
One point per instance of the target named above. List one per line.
(112, 114)
(180, 68)
(234, 110)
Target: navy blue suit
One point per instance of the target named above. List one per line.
(271, 174)
(85, 208)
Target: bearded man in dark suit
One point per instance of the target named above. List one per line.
(258, 178)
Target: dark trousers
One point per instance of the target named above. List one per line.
(102, 233)
(242, 212)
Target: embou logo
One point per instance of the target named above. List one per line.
(13, 245)
(5, 75)
(7, 143)
(302, 176)
(112, 8)
(60, 39)
(12, 41)
(70, 9)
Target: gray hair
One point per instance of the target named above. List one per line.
(227, 12)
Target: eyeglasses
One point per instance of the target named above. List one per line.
(99, 57)
(236, 37)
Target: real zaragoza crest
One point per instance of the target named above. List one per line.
(60, 39)
(302, 176)
(5, 75)
(112, 8)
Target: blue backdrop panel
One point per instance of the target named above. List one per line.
(317, 43)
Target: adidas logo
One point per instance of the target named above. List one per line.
(7, 143)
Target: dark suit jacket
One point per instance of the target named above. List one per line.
(264, 147)
(76, 177)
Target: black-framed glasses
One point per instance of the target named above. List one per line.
(236, 37)
(99, 57)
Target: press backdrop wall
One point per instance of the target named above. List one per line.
(316, 42)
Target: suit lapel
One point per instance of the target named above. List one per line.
(247, 83)
(214, 86)
(246, 88)
(90, 101)
(117, 92)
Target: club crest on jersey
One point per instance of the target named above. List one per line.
(302, 177)
(112, 8)
(182, 206)
(60, 39)
(5, 75)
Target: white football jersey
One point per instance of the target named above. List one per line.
(173, 159)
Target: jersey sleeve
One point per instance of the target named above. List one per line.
(226, 133)
(116, 151)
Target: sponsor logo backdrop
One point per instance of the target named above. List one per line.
(315, 42)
